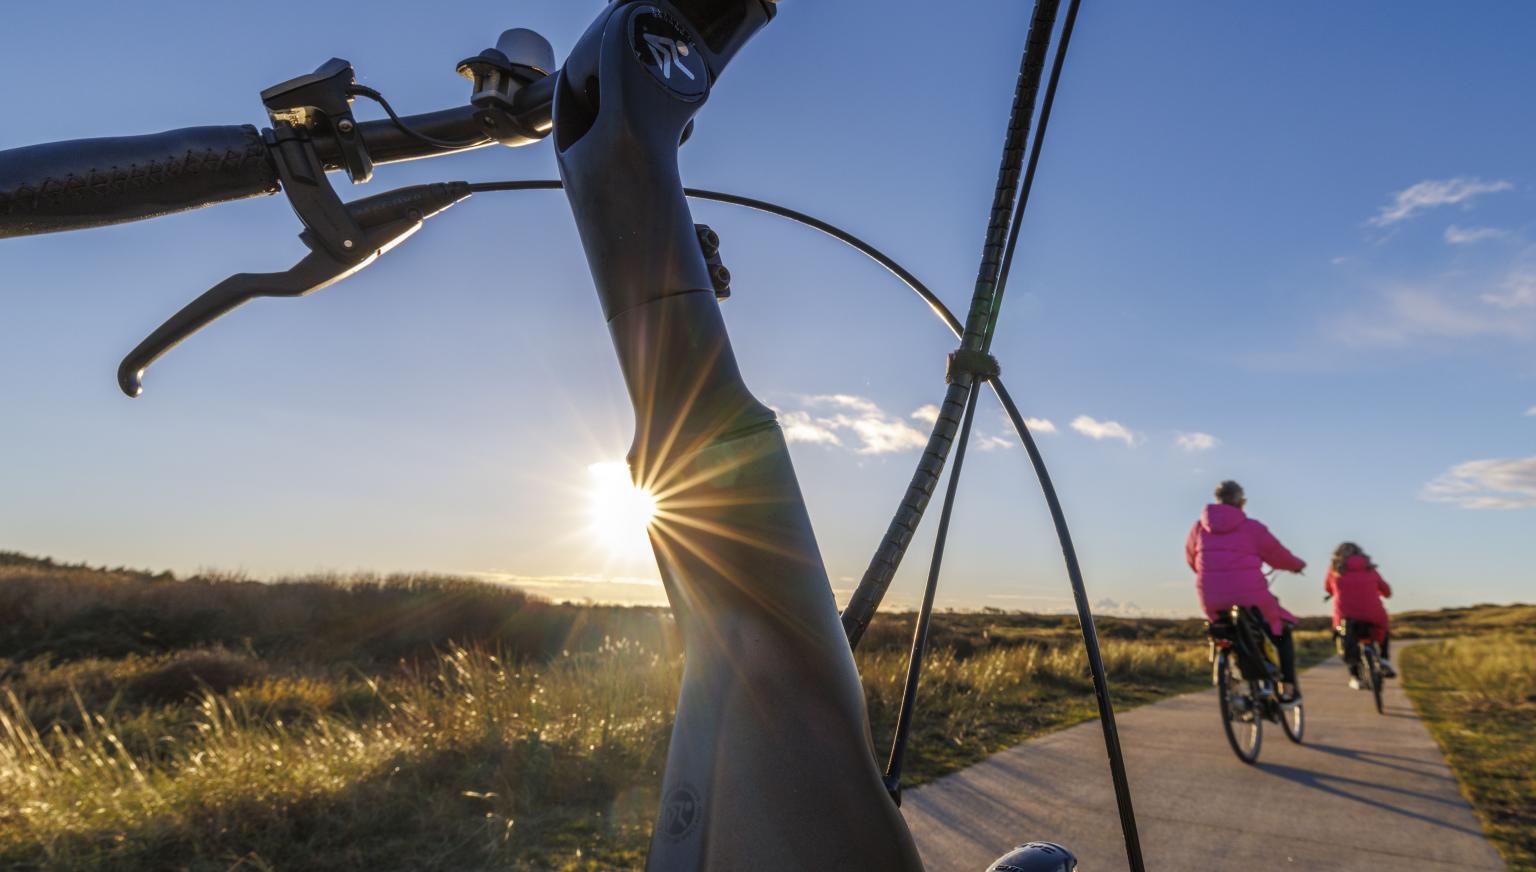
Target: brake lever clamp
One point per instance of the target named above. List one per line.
(321, 102)
(383, 221)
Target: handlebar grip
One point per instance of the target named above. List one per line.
(94, 182)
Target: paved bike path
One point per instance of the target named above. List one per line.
(1366, 792)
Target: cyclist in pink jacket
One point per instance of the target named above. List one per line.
(1356, 589)
(1227, 550)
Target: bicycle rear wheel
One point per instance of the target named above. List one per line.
(1373, 669)
(1240, 716)
(1293, 721)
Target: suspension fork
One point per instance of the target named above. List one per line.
(770, 765)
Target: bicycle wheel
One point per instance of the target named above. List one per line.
(1373, 669)
(1293, 720)
(1240, 717)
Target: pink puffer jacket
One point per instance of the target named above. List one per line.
(1227, 549)
(1357, 592)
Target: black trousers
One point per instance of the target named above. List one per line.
(1285, 645)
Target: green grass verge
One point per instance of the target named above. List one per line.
(1478, 697)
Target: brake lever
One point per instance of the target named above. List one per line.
(386, 220)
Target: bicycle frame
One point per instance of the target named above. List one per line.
(770, 764)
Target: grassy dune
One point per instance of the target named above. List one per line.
(1478, 696)
(148, 722)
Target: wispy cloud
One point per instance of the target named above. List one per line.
(1468, 235)
(1531, 412)
(1519, 290)
(626, 590)
(1196, 442)
(1129, 609)
(830, 418)
(1501, 483)
(1096, 429)
(994, 443)
(799, 426)
(1040, 425)
(1431, 193)
(928, 414)
(1416, 312)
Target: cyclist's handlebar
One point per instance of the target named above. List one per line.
(83, 183)
(94, 182)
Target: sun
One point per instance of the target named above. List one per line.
(620, 511)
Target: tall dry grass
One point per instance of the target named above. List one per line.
(1478, 696)
(149, 722)
(474, 761)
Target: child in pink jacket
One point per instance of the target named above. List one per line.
(1357, 590)
(1227, 550)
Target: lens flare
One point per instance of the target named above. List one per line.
(620, 511)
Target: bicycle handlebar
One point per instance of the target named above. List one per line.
(95, 182)
(83, 183)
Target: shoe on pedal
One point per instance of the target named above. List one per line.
(1386, 668)
(1354, 684)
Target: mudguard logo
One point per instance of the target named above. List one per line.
(681, 812)
(668, 54)
(663, 47)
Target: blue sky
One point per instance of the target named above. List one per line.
(1292, 244)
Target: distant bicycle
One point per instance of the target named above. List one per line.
(1245, 668)
(1360, 652)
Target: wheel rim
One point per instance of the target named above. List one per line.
(1240, 715)
(1294, 720)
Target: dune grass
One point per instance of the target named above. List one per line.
(1478, 697)
(473, 762)
(407, 723)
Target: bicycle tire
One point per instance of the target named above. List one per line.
(1373, 668)
(1293, 731)
(1232, 721)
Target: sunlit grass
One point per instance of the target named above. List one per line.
(472, 761)
(218, 723)
(1478, 696)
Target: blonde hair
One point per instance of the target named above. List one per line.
(1347, 550)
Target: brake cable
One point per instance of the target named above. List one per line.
(1020, 426)
(445, 144)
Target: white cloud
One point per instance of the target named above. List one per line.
(1197, 442)
(1531, 412)
(1519, 291)
(1467, 235)
(839, 415)
(1095, 429)
(1040, 425)
(1416, 312)
(879, 435)
(622, 589)
(994, 443)
(1501, 483)
(845, 401)
(928, 414)
(1129, 609)
(1431, 193)
(801, 427)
